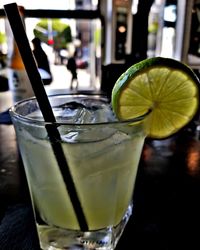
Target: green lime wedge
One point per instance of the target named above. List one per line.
(167, 87)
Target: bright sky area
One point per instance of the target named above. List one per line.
(41, 4)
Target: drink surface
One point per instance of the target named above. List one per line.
(103, 160)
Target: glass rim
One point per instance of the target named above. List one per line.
(29, 120)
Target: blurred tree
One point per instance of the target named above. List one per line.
(60, 32)
(97, 37)
(2, 38)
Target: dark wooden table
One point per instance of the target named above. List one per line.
(167, 197)
(9, 169)
(166, 213)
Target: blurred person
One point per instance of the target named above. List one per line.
(140, 32)
(72, 67)
(42, 61)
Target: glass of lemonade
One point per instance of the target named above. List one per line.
(102, 155)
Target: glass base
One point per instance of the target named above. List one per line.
(52, 238)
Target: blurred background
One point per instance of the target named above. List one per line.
(108, 36)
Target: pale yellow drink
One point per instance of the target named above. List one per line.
(103, 173)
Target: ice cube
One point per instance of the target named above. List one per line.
(84, 111)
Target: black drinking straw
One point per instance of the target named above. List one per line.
(45, 107)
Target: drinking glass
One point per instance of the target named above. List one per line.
(102, 156)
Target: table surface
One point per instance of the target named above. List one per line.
(166, 212)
